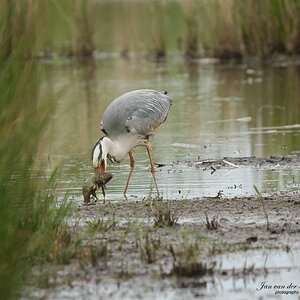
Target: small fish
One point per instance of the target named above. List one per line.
(93, 183)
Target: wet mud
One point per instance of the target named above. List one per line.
(284, 162)
(129, 249)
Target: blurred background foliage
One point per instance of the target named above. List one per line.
(219, 28)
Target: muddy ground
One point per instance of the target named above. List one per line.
(170, 249)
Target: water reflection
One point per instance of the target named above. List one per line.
(249, 285)
(219, 110)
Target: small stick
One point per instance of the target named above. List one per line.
(229, 163)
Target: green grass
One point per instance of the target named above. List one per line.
(164, 213)
(149, 246)
(31, 218)
(187, 260)
(262, 202)
(101, 225)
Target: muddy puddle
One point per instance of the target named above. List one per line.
(251, 275)
(219, 248)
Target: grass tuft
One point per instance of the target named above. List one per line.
(186, 260)
(164, 213)
(262, 202)
(101, 225)
(148, 247)
(212, 224)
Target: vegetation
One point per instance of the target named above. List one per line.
(31, 219)
(148, 246)
(212, 224)
(262, 202)
(164, 213)
(186, 259)
(226, 29)
(101, 225)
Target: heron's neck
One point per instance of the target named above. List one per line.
(120, 147)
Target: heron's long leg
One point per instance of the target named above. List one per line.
(103, 192)
(130, 172)
(149, 150)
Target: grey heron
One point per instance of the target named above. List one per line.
(128, 122)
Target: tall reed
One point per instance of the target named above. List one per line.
(83, 44)
(228, 29)
(29, 215)
(242, 28)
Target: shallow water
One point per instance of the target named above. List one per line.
(218, 111)
(277, 268)
(254, 274)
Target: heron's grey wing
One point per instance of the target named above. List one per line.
(146, 118)
(137, 112)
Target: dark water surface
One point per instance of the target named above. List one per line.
(218, 111)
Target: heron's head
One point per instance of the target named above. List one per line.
(100, 153)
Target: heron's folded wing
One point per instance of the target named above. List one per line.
(149, 116)
(137, 112)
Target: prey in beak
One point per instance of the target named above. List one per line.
(92, 184)
(101, 167)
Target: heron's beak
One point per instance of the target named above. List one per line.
(101, 168)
